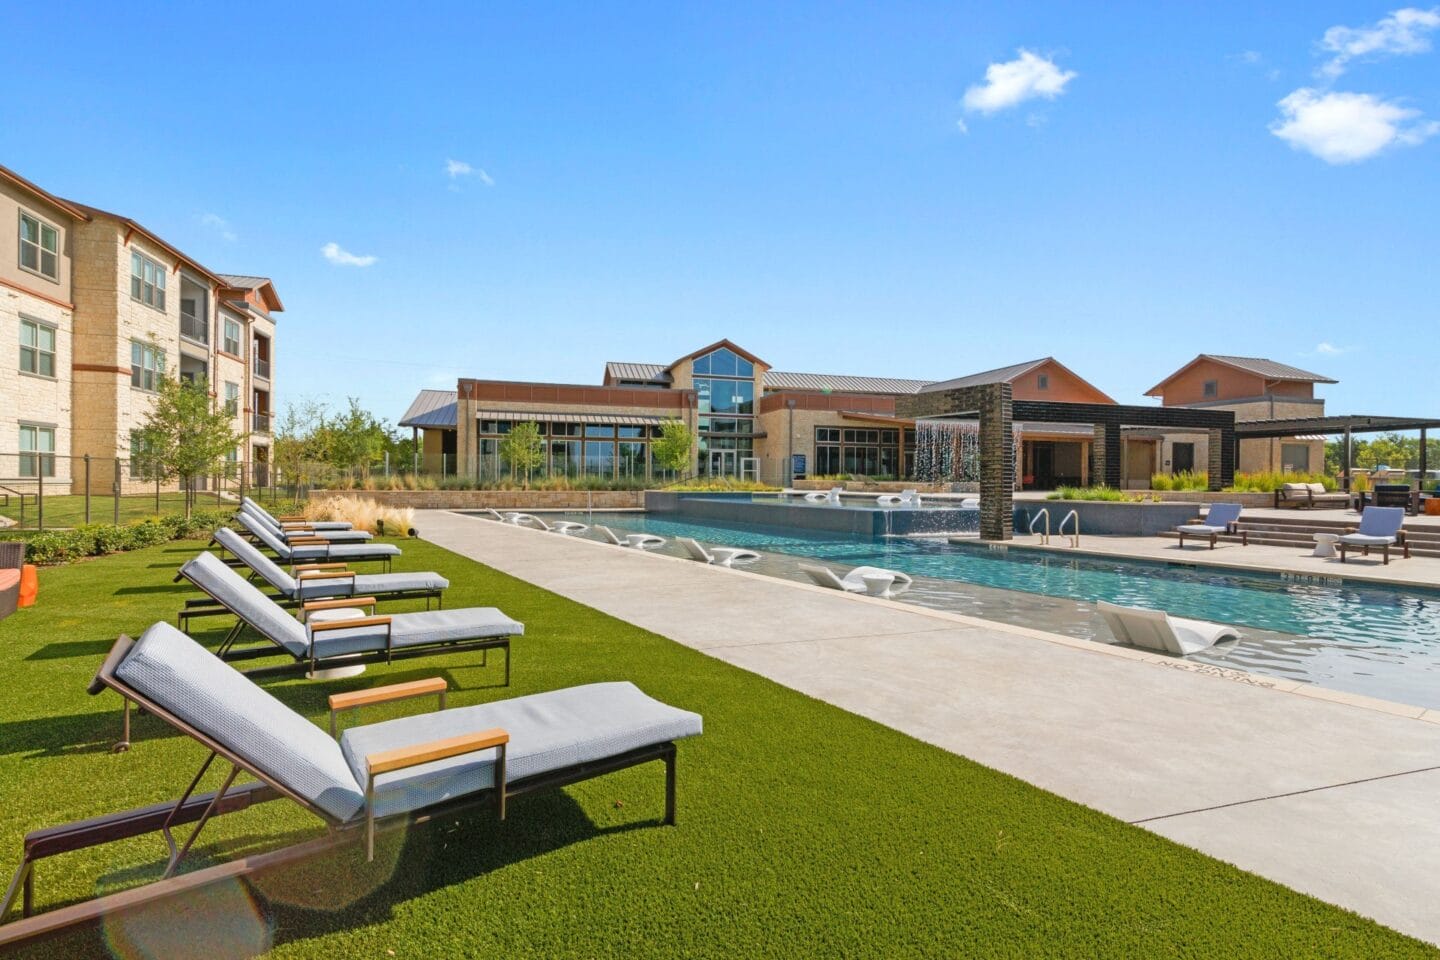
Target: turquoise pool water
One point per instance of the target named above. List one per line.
(1367, 639)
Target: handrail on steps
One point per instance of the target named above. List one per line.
(1044, 512)
(1074, 537)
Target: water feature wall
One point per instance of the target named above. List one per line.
(948, 451)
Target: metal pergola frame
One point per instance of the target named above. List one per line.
(1345, 426)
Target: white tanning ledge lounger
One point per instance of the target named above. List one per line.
(1157, 630)
(563, 527)
(876, 581)
(508, 517)
(640, 541)
(720, 556)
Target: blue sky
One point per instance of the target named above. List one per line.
(891, 189)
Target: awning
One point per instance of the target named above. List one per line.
(610, 419)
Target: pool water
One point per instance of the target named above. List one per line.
(1373, 640)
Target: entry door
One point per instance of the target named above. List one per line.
(1182, 457)
(722, 463)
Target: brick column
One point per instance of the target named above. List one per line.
(466, 450)
(997, 463)
(1215, 467)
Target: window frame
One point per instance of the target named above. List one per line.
(140, 370)
(53, 352)
(225, 340)
(1210, 390)
(232, 404)
(156, 280)
(35, 462)
(41, 225)
(1042, 381)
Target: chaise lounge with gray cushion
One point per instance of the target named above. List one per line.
(257, 508)
(342, 642)
(304, 530)
(375, 777)
(316, 550)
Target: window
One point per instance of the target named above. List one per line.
(147, 281)
(1212, 389)
(141, 465)
(724, 363)
(232, 338)
(725, 396)
(37, 348)
(1042, 382)
(147, 363)
(232, 398)
(37, 450)
(232, 464)
(39, 247)
(1295, 457)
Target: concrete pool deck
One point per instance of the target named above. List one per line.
(1328, 793)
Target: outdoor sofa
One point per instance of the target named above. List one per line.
(1309, 496)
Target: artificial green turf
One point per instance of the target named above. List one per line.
(803, 830)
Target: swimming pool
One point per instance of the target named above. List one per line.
(1373, 640)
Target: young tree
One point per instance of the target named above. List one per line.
(523, 448)
(186, 435)
(299, 442)
(672, 448)
(355, 439)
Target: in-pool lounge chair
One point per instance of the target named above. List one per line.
(640, 541)
(374, 777)
(1220, 520)
(257, 508)
(562, 527)
(1379, 527)
(305, 530)
(880, 582)
(317, 551)
(720, 556)
(905, 498)
(343, 642)
(829, 496)
(1157, 630)
(317, 581)
(507, 517)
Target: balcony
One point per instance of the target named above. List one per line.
(261, 422)
(194, 328)
(262, 368)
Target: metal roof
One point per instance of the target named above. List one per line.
(431, 409)
(829, 383)
(648, 372)
(531, 416)
(242, 281)
(1270, 369)
(1329, 426)
(998, 375)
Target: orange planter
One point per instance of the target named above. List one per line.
(1432, 507)
(29, 585)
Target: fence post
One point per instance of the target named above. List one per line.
(115, 489)
(157, 494)
(40, 493)
(87, 488)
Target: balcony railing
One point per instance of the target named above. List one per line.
(262, 368)
(194, 328)
(262, 423)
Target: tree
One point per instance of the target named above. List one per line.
(672, 448)
(523, 448)
(186, 435)
(299, 442)
(354, 439)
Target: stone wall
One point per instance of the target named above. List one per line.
(496, 499)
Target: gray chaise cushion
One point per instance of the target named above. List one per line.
(419, 629)
(183, 678)
(333, 536)
(548, 731)
(317, 524)
(242, 598)
(369, 584)
(319, 551)
(268, 569)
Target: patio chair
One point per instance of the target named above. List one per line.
(374, 777)
(359, 639)
(315, 550)
(719, 556)
(298, 529)
(882, 583)
(1379, 527)
(640, 541)
(1157, 630)
(257, 508)
(1221, 519)
(563, 527)
(12, 562)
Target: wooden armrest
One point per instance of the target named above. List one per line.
(349, 624)
(306, 541)
(293, 518)
(386, 761)
(302, 567)
(393, 691)
(338, 603)
(327, 575)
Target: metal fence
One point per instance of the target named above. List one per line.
(44, 491)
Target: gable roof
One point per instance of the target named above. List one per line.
(431, 408)
(832, 383)
(998, 375)
(648, 372)
(266, 286)
(1259, 366)
(735, 347)
(37, 191)
(132, 226)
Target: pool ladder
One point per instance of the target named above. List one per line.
(1044, 512)
(1074, 537)
(1045, 533)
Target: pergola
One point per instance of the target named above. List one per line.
(1343, 425)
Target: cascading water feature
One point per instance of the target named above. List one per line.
(948, 451)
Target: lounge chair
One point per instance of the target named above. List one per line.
(12, 564)
(640, 541)
(720, 556)
(829, 496)
(317, 551)
(905, 498)
(1379, 527)
(1157, 630)
(304, 530)
(323, 581)
(1220, 520)
(883, 583)
(374, 777)
(970, 503)
(1309, 496)
(507, 517)
(563, 527)
(259, 510)
(315, 646)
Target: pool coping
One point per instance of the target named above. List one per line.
(1276, 684)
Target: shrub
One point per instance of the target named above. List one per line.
(1184, 480)
(1268, 481)
(363, 514)
(721, 485)
(97, 539)
(1094, 493)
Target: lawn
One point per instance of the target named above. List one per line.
(803, 830)
(68, 510)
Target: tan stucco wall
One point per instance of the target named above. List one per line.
(12, 201)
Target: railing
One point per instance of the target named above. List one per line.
(1074, 537)
(1044, 512)
(194, 328)
(262, 368)
(261, 422)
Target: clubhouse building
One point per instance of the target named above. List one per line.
(752, 421)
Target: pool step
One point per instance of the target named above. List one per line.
(1425, 544)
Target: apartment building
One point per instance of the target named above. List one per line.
(100, 307)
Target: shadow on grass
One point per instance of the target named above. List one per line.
(66, 649)
(78, 733)
(152, 589)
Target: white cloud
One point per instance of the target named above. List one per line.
(455, 169)
(220, 225)
(1402, 33)
(1248, 56)
(341, 257)
(963, 127)
(1328, 349)
(1348, 127)
(1026, 77)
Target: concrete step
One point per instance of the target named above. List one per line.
(1418, 548)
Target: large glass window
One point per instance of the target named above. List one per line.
(600, 458)
(630, 457)
(147, 281)
(37, 348)
(725, 396)
(37, 450)
(724, 363)
(873, 453)
(565, 458)
(39, 247)
(147, 363)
